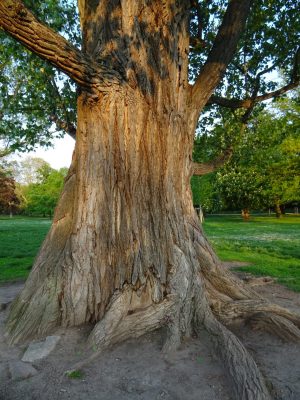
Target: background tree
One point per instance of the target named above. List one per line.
(282, 171)
(125, 250)
(30, 170)
(42, 196)
(206, 193)
(241, 188)
(283, 185)
(9, 200)
(264, 168)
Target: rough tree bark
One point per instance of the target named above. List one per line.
(125, 250)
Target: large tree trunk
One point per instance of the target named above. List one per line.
(126, 251)
(124, 218)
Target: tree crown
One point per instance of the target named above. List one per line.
(38, 102)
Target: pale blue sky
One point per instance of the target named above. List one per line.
(58, 156)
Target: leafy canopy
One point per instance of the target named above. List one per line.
(35, 98)
(38, 103)
(269, 173)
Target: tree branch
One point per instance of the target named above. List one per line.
(66, 126)
(200, 169)
(197, 41)
(21, 24)
(221, 53)
(247, 103)
(296, 67)
(267, 70)
(243, 69)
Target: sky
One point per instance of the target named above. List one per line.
(58, 156)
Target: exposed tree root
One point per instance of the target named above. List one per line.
(226, 299)
(37, 320)
(224, 282)
(257, 313)
(248, 382)
(121, 322)
(244, 309)
(258, 281)
(126, 320)
(217, 278)
(275, 324)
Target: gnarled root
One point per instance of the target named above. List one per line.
(259, 314)
(127, 317)
(275, 319)
(275, 324)
(248, 382)
(193, 302)
(224, 299)
(122, 322)
(37, 320)
(186, 308)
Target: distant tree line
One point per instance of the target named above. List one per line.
(30, 187)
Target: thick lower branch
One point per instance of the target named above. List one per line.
(200, 169)
(21, 24)
(221, 53)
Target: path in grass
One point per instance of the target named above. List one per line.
(20, 240)
(271, 245)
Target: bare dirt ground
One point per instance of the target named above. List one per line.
(138, 370)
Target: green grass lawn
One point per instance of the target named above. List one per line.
(20, 240)
(271, 245)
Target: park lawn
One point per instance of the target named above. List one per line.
(271, 245)
(20, 240)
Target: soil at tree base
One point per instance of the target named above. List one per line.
(137, 369)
